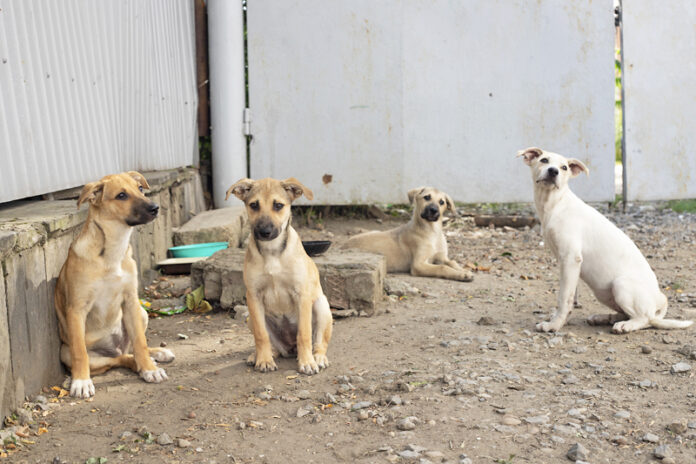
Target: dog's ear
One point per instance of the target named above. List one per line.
(413, 192)
(91, 192)
(139, 178)
(576, 167)
(530, 154)
(240, 189)
(295, 189)
(450, 203)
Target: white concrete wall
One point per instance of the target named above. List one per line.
(386, 96)
(88, 88)
(660, 91)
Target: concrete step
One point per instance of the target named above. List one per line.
(216, 225)
(351, 280)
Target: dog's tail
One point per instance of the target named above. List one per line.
(670, 324)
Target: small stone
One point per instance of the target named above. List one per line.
(40, 399)
(408, 423)
(181, 443)
(619, 440)
(182, 336)
(408, 454)
(361, 405)
(24, 417)
(510, 420)
(304, 394)
(669, 461)
(622, 414)
(164, 439)
(570, 380)
(645, 349)
(362, 415)
(163, 344)
(303, 411)
(329, 398)
(486, 320)
(536, 419)
(191, 414)
(578, 452)
(678, 427)
(394, 400)
(435, 454)
(651, 438)
(680, 367)
(125, 435)
(662, 452)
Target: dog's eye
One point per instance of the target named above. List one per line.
(277, 206)
(427, 198)
(140, 188)
(544, 160)
(565, 168)
(442, 202)
(122, 196)
(254, 205)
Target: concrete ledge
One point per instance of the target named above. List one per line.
(218, 225)
(35, 237)
(350, 279)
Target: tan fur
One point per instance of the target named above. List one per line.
(419, 246)
(283, 289)
(96, 296)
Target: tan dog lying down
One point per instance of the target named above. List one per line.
(419, 246)
(288, 311)
(100, 319)
(589, 247)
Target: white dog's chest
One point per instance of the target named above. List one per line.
(109, 294)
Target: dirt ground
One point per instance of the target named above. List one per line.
(452, 373)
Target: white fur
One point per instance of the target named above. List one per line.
(81, 388)
(588, 246)
(156, 376)
(163, 355)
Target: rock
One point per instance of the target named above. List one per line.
(182, 336)
(304, 410)
(397, 287)
(41, 399)
(662, 452)
(678, 427)
(680, 367)
(24, 417)
(361, 405)
(622, 414)
(164, 439)
(125, 435)
(570, 380)
(619, 440)
(241, 312)
(329, 398)
(536, 419)
(217, 225)
(645, 349)
(650, 438)
(485, 320)
(408, 454)
(510, 420)
(408, 423)
(304, 394)
(181, 443)
(394, 400)
(578, 452)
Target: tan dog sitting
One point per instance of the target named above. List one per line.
(419, 246)
(288, 311)
(96, 297)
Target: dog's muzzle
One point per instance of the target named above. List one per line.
(550, 177)
(265, 230)
(143, 213)
(431, 213)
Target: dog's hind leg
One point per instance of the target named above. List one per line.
(99, 363)
(636, 304)
(322, 327)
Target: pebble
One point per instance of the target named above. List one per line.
(536, 419)
(361, 405)
(680, 367)
(651, 438)
(303, 411)
(645, 349)
(394, 400)
(163, 344)
(486, 320)
(164, 439)
(510, 420)
(182, 336)
(570, 380)
(191, 414)
(622, 414)
(125, 435)
(407, 423)
(181, 443)
(678, 427)
(578, 452)
(40, 399)
(408, 454)
(619, 440)
(662, 452)
(304, 394)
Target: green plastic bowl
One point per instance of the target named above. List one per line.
(198, 250)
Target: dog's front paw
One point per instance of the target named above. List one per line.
(162, 355)
(322, 361)
(547, 327)
(465, 276)
(81, 388)
(267, 365)
(156, 376)
(309, 366)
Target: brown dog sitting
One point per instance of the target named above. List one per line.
(288, 311)
(100, 318)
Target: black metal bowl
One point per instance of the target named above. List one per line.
(316, 247)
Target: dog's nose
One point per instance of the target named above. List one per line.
(432, 209)
(553, 172)
(153, 209)
(264, 231)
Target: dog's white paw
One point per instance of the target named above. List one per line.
(81, 388)
(309, 367)
(163, 355)
(156, 376)
(546, 327)
(322, 361)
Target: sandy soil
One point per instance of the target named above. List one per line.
(452, 373)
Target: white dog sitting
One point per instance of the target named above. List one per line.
(588, 246)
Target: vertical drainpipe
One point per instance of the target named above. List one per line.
(624, 165)
(227, 102)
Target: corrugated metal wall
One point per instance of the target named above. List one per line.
(93, 87)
